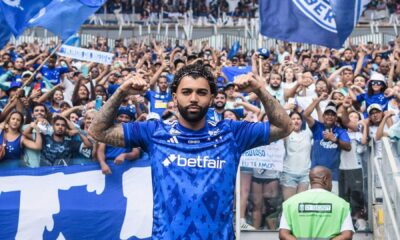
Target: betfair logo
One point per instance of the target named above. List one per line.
(199, 162)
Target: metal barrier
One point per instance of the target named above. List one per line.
(218, 41)
(388, 171)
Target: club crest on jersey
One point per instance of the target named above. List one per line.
(319, 11)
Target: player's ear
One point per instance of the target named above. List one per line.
(174, 99)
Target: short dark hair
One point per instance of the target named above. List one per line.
(36, 104)
(195, 71)
(58, 117)
(221, 92)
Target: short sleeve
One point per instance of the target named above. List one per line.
(147, 95)
(317, 125)
(344, 136)
(64, 70)
(347, 224)
(360, 98)
(283, 223)
(249, 135)
(138, 134)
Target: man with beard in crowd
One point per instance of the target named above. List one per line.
(215, 113)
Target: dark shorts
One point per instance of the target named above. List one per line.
(264, 180)
(351, 188)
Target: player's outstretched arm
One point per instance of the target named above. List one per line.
(103, 128)
(281, 125)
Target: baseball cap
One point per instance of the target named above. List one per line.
(26, 73)
(228, 85)
(263, 52)
(330, 108)
(374, 106)
(126, 110)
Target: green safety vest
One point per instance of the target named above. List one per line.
(315, 214)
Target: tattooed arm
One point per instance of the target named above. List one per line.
(103, 128)
(281, 125)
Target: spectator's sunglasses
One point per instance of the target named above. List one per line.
(379, 83)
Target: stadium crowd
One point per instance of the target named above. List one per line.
(338, 101)
(222, 12)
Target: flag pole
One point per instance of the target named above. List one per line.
(41, 65)
(259, 59)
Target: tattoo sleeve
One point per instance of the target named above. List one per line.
(277, 116)
(103, 128)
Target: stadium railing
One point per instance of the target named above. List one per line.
(217, 41)
(388, 172)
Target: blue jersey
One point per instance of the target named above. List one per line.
(326, 153)
(378, 98)
(158, 101)
(193, 173)
(213, 115)
(53, 74)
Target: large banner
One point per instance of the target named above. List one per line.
(86, 54)
(269, 157)
(77, 202)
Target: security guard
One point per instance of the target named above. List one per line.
(316, 213)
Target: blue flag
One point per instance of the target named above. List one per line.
(232, 72)
(5, 31)
(234, 50)
(321, 22)
(77, 202)
(61, 17)
(17, 13)
(64, 18)
(73, 41)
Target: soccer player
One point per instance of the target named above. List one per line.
(194, 161)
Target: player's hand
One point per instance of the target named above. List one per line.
(247, 83)
(134, 85)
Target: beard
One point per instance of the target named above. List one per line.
(192, 117)
(219, 105)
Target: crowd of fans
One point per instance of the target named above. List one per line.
(338, 100)
(229, 11)
(244, 8)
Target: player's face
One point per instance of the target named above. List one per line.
(193, 97)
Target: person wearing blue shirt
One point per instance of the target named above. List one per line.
(53, 72)
(329, 139)
(215, 113)
(159, 99)
(194, 161)
(375, 93)
(107, 153)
